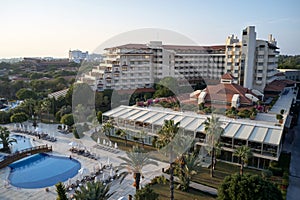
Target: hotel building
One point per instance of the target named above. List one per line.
(252, 63)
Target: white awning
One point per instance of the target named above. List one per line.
(273, 136)
(231, 130)
(258, 134)
(244, 132)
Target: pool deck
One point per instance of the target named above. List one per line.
(61, 147)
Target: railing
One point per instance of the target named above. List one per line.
(24, 153)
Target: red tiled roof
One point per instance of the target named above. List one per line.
(195, 47)
(224, 92)
(279, 74)
(278, 85)
(227, 76)
(173, 47)
(130, 46)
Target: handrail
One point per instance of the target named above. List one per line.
(24, 153)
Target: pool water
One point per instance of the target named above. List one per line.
(22, 143)
(42, 170)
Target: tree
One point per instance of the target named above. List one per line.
(122, 133)
(146, 193)
(26, 94)
(107, 127)
(19, 118)
(67, 119)
(93, 191)
(165, 136)
(61, 191)
(5, 140)
(243, 153)
(213, 132)
(190, 167)
(99, 117)
(251, 187)
(135, 161)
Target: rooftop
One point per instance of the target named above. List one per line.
(234, 128)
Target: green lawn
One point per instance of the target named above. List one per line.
(222, 170)
(164, 192)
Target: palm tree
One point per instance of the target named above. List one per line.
(5, 140)
(165, 136)
(61, 191)
(213, 132)
(93, 191)
(107, 127)
(243, 153)
(135, 162)
(190, 167)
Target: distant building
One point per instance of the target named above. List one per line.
(78, 56)
(291, 74)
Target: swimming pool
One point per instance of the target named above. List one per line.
(42, 170)
(22, 143)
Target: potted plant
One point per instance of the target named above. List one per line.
(279, 117)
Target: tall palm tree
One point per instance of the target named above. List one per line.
(164, 139)
(243, 153)
(135, 162)
(123, 133)
(5, 140)
(213, 132)
(107, 127)
(190, 167)
(93, 191)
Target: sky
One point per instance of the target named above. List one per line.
(39, 28)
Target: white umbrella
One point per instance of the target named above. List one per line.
(72, 144)
(116, 145)
(100, 165)
(111, 173)
(69, 181)
(110, 144)
(98, 140)
(96, 179)
(83, 170)
(104, 142)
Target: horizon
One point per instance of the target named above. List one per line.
(52, 28)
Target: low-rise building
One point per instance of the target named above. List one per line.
(264, 138)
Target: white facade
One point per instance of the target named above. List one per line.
(134, 66)
(252, 62)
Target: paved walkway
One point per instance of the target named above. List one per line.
(61, 148)
(293, 190)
